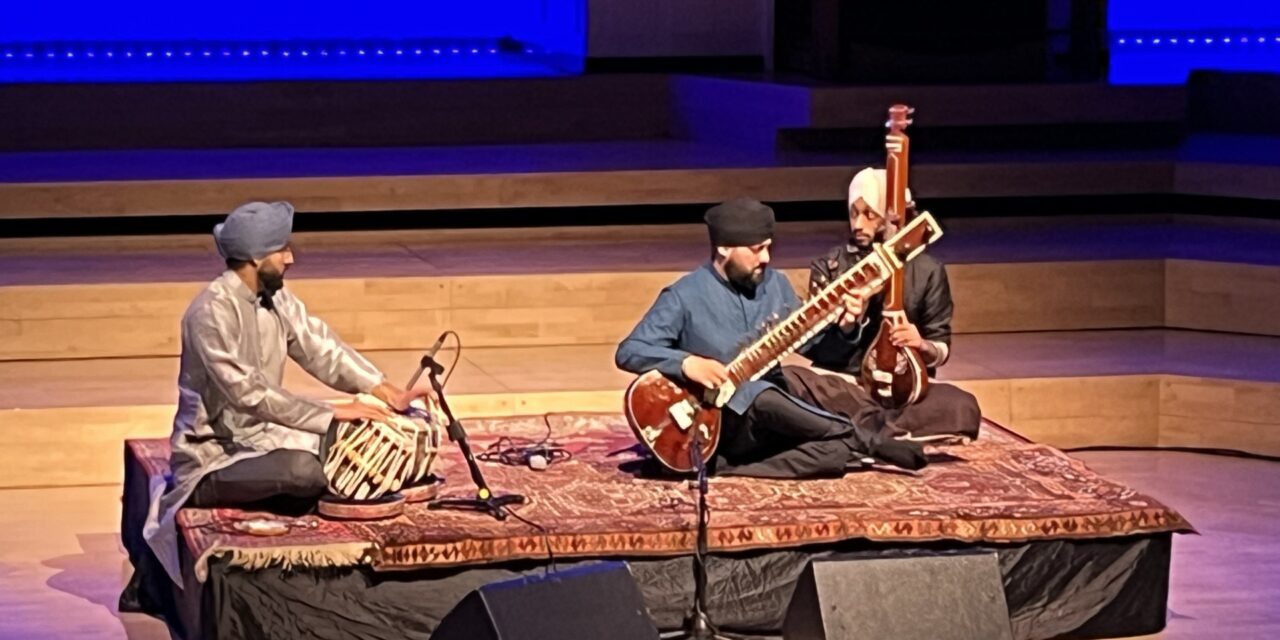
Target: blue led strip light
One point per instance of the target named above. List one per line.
(248, 51)
(1240, 40)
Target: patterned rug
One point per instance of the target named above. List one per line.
(999, 488)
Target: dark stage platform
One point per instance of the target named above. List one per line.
(1081, 555)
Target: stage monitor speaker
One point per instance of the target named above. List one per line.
(594, 601)
(939, 597)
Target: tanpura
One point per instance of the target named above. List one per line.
(895, 376)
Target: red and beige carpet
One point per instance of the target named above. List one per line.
(999, 488)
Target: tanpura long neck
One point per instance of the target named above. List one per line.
(893, 291)
(896, 196)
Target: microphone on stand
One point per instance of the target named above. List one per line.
(485, 501)
(428, 360)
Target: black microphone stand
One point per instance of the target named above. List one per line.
(698, 625)
(485, 500)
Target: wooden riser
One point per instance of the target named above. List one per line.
(822, 180)
(135, 320)
(81, 445)
(428, 192)
(1217, 296)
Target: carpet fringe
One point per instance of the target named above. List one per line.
(346, 554)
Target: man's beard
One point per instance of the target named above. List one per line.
(271, 281)
(742, 279)
(860, 243)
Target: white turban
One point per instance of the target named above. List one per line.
(870, 185)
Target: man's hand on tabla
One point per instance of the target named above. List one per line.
(398, 398)
(353, 410)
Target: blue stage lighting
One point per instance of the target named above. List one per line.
(91, 40)
(1161, 41)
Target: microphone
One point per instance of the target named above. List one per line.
(429, 360)
(435, 348)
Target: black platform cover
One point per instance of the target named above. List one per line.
(592, 601)
(948, 596)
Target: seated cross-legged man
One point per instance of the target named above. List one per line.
(239, 437)
(701, 321)
(945, 409)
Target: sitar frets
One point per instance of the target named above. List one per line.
(812, 316)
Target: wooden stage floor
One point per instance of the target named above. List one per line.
(61, 565)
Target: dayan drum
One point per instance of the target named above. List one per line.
(369, 459)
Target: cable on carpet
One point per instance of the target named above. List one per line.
(519, 452)
(546, 539)
(506, 451)
(1208, 451)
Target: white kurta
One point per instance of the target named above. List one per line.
(231, 405)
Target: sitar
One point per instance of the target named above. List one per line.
(895, 376)
(663, 413)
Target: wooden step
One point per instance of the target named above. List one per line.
(644, 172)
(609, 173)
(595, 106)
(94, 321)
(62, 421)
(639, 139)
(369, 113)
(750, 112)
(388, 291)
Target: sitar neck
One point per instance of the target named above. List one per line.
(813, 316)
(822, 308)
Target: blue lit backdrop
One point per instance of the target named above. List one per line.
(150, 40)
(1161, 41)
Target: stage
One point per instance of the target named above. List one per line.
(530, 176)
(1055, 523)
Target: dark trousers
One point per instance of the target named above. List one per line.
(283, 481)
(777, 438)
(944, 410)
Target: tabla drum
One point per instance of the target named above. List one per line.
(369, 459)
(388, 506)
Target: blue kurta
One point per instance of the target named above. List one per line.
(703, 314)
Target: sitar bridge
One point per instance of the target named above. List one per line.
(724, 393)
(682, 412)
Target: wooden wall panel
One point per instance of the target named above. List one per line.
(1223, 296)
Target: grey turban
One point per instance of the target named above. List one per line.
(254, 231)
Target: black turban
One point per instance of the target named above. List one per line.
(741, 222)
